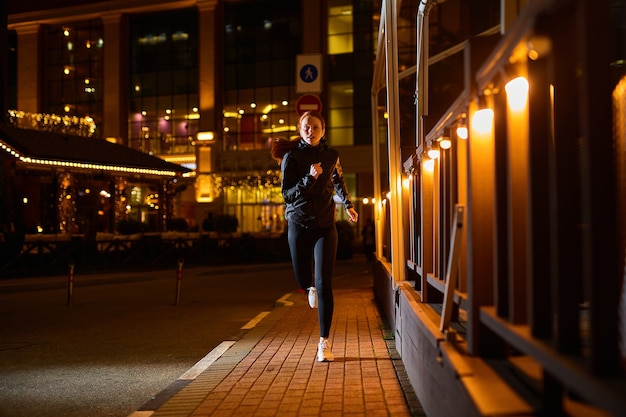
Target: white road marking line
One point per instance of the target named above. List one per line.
(205, 362)
(255, 321)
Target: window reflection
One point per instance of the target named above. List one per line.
(164, 102)
(262, 40)
(340, 32)
(74, 66)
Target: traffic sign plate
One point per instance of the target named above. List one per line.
(308, 73)
(308, 102)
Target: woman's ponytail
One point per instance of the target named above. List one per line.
(280, 146)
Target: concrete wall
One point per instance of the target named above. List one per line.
(447, 382)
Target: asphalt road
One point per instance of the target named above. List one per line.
(123, 339)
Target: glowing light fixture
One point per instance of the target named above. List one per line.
(445, 142)
(538, 46)
(268, 108)
(83, 165)
(433, 151)
(517, 93)
(461, 132)
(206, 136)
(482, 122)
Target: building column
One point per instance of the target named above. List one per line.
(29, 62)
(115, 82)
(210, 76)
(314, 26)
(210, 65)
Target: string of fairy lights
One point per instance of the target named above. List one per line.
(84, 127)
(80, 126)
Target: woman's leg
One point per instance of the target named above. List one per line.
(301, 243)
(325, 255)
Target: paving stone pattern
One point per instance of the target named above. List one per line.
(272, 370)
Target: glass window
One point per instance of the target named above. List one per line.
(350, 64)
(340, 32)
(164, 99)
(340, 129)
(73, 70)
(256, 201)
(261, 41)
(12, 70)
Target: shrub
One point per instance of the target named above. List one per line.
(225, 223)
(177, 225)
(129, 227)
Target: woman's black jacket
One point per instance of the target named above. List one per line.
(309, 201)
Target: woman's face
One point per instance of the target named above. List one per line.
(311, 130)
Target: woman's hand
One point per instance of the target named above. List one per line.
(352, 214)
(316, 170)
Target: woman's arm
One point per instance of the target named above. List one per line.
(342, 191)
(293, 184)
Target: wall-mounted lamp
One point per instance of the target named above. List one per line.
(432, 151)
(368, 200)
(444, 142)
(517, 93)
(482, 121)
(461, 128)
(406, 181)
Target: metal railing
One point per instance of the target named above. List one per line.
(515, 234)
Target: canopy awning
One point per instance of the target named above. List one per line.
(52, 149)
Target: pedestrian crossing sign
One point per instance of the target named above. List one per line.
(309, 73)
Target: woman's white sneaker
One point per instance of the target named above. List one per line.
(324, 354)
(312, 297)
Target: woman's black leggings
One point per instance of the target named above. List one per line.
(317, 247)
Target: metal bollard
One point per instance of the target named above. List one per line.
(179, 278)
(70, 284)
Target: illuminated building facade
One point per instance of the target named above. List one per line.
(62, 183)
(205, 84)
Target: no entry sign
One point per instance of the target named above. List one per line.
(308, 102)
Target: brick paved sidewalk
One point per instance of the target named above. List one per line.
(272, 370)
